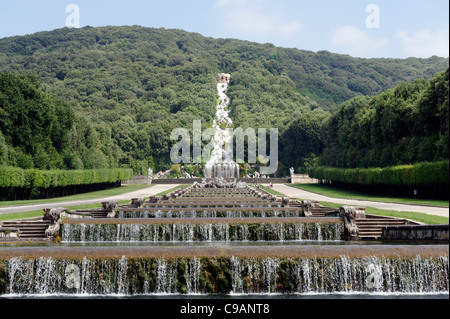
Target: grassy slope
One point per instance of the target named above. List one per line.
(38, 213)
(338, 193)
(172, 189)
(271, 191)
(423, 218)
(92, 195)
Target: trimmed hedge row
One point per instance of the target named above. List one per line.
(29, 178)
(421, 174)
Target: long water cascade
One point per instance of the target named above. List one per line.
(202, 232)
(221, 163)
(220, 238)
(267, 275)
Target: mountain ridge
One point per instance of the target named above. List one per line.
(134, 85)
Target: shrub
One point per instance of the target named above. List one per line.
(420, 174)
(31, 178)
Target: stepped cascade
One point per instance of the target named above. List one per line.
(221, 163)
(240, 275)
(219, 238)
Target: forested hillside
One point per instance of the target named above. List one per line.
(404, 125)
(129, 87)
(40, 131)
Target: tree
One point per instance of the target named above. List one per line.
(302, 141)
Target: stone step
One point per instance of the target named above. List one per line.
(375, 226)
(386, 222)
(318, 215)
(99, 215)
(381, 220)
(29, 229)
(26, 228)
(32, 236)
(368, 229)
(27, 222)
(372, 231)
(35, 232)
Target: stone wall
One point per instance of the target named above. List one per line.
(303, 179)
(425, 232)
(7, 233)
(245, 180)
(139, 179)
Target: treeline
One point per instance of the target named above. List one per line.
(404, 125)
(40, 131)
(430, 177)
(29, 178)
(407, 124)
(129, 87)
(389, 144)
(421, 174)
(18, 183)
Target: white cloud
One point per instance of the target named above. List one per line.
(357, 42)
(256, 18)
(424, 44)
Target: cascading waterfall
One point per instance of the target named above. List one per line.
(205, 232)
(181, 275)
(219, 268)
(221, 162)
(211, 213)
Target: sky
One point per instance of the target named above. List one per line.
(367, 29)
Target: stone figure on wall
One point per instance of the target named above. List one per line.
(292, 171)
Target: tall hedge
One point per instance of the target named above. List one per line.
(420, 174)
(29, 178)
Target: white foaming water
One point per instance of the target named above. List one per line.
(205, 232)
(221, 163)
(247, 275)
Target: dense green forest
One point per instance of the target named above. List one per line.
(110, 96)
(40, 131)
(404, 125)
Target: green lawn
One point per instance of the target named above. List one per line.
(92, 195)
(172, 189)
(423, 218)
(39, 213)
(338, 193)
(271, 191)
